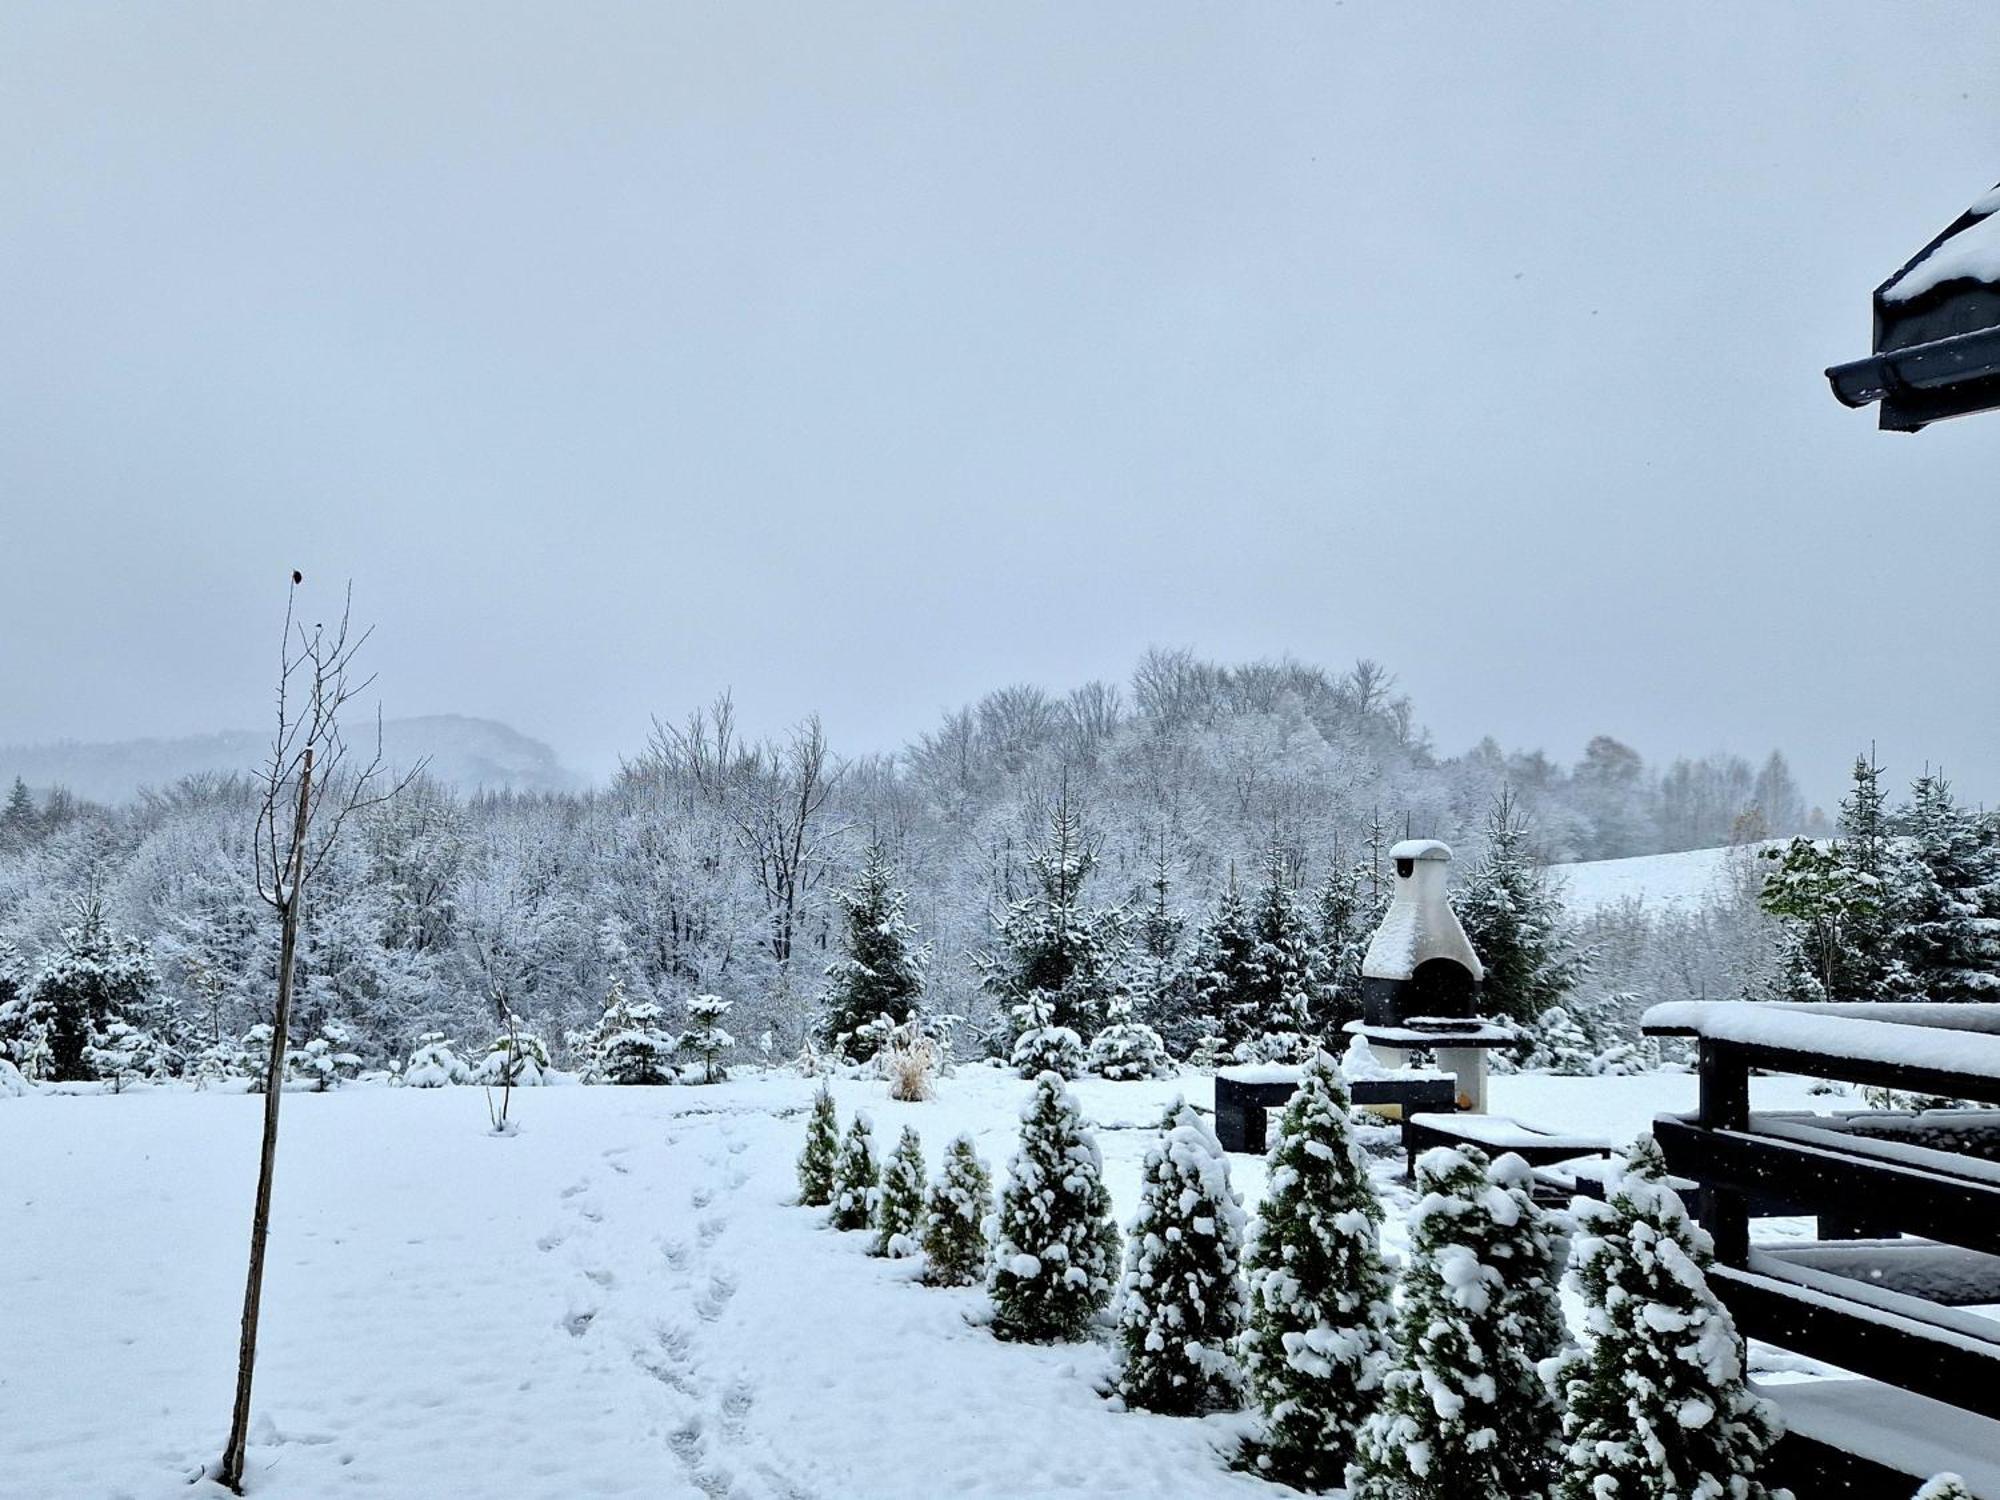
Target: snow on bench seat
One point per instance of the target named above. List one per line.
(1898, 1429)
(1937, 1038)
(1498, 1133)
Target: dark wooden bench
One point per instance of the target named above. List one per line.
(1242, 1106)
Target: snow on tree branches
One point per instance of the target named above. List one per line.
(705, 1038)
(1449, 1400)
(1657, 1400)
(899, 1202)
(822, 1151)
(1181, 1303)
(1318, 1343)
(1056, 1255)
(856, 1175)
(955, 1215)
(875, 984)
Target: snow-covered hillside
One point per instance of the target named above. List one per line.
(1663, 882)
(618, 1301)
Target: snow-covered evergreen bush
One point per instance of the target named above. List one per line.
(324, 1062)
(899, 1202)
(435, 1063)
(1127, 1049)
(1439, 1430)
(955, 1215)
(628, 1045)
(253, 1056)
(1055, 1254)
(1181, 1304)
(821, 1154)
(705, 1039)
(857, 1175)
(1529, 1248)
(1657, 1399)
(120, 1054)
(1041, 1046)
(516, 1058)
(1946, 874)
(91, 978)
(875, 983)
(1944, 1487)
(12, 1084)
(1318, 1342)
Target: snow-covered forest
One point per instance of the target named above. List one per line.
(715, 865)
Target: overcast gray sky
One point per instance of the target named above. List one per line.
(868, 357)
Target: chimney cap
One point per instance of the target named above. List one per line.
(1421, 849)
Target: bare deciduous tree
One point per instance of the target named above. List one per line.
(309, 791)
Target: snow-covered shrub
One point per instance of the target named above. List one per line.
(1181, 1304)
(1658, 1403)
(1044, 1047)
(821, 1153)
(91, 979)
(1529, 1249)
(1273, 1047)
(910, 1060)
(899, 1202)
(435, 1064)
(1943, 1487)
(1318, 1343)
(955, 1217)
(705, 1039)
(516, 1058)
(1437, 1432)
(1127, 1049)
(119, 1054)
(253, 1056)
(12, 1084)
(1055, 1257)
(628, 1045)
(856, 1176)
(324, 1062)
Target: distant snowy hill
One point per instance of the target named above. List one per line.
(470, 754)
(1685, 881)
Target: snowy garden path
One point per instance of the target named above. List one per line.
(619, 1301)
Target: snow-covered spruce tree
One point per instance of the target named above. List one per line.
(899, 1203)
(119, 1054)
(1055, 1257)
(857, 1175)
(1658, 1405)
(1181, 1304)
(1222, 971)
(435, 1064)
(92, 977)
(705, 1040)
(1516, 921)
(1337, 916)
(1439, 1429)
(1054, 952)
(955, 1214)
(1318, 1342)
(1286, 977)
(821, 1154)
(1158, 966)
(629, 1045)
(1127, 1049)
(516, 1058)
(1040, 1045)
(325, 1061)
(1529, 1249)
(1947, 883)
(876, 982)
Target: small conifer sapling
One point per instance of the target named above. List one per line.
(955, 1215)
(856, 1177)
(899, 1204)
(822, 1151)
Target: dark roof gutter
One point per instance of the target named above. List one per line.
(1922, 383)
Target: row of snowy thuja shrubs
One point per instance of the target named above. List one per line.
(1461, 1384)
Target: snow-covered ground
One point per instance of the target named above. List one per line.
(620, 1300)
(1685, 881)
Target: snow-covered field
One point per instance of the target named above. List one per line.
(620, 1300)
(1685, 881)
